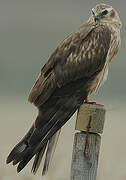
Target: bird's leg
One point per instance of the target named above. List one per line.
(87, 101)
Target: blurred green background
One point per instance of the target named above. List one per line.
(29, 32)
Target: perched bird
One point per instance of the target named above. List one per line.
(76, 69)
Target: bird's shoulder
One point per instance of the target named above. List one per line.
(80, 51)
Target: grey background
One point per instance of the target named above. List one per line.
(30, 30)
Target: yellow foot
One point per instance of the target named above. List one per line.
(87, 101)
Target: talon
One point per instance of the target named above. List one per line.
(87, 101)
(99, 104)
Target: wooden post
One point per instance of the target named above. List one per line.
(90, 121)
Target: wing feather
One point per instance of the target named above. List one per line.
(81, 54)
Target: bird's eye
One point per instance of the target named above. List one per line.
(104, 12)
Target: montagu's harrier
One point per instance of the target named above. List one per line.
(76, 69)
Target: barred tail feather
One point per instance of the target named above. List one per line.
(50, 151)
(51, 146)
(20, 149)
(64, 113)
(38, 159)
(35, 142)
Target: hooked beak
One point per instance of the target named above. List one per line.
(96, 16)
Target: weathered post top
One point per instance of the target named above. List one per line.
(90, 121)
(93, 113)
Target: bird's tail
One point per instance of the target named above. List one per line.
(51, 146)
(46, 125)
(21, 148)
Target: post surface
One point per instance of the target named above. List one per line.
(86, 146)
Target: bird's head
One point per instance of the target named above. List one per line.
(105, 14)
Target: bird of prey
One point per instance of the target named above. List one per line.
(76, 69)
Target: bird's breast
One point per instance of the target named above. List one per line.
(99, 80)
(113, 50)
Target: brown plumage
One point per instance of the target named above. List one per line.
(76, 69)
